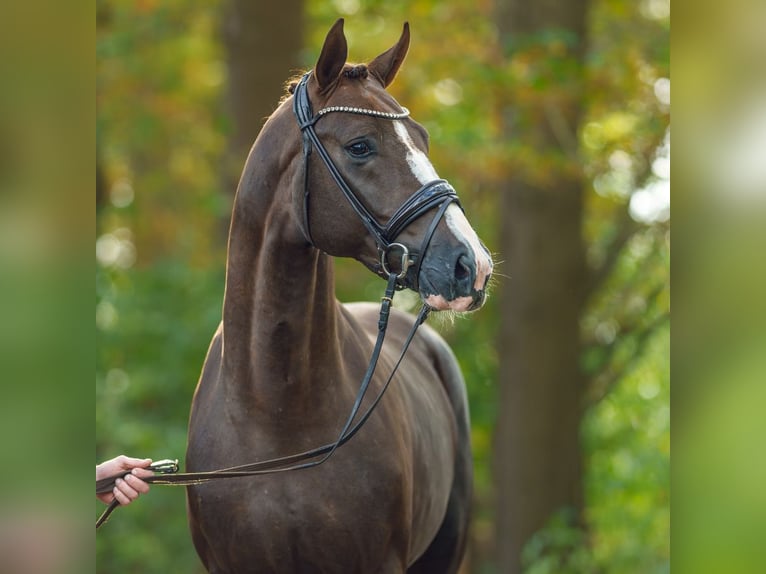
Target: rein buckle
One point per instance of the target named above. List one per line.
(165, 466)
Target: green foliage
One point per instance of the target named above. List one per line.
(154, 328)
(560, 547)
(627, 441)
(159, 126)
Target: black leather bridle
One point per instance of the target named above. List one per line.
(434, 194)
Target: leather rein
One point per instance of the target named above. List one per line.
(437, 193)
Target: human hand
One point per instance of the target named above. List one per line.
(127, 489)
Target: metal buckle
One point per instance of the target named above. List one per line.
(405, 260)
(165, 466)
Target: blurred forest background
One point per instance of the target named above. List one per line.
(550, 118)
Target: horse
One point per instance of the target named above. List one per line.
(284, 365)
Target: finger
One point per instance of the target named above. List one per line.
(127, 462)
(121, 498)
(142, 472)
(106, 498)
(126, 489)
(137, 484)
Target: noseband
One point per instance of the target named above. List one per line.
(437, 193)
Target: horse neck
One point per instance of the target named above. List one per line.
(280, 316)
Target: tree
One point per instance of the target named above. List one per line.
(263, 41)
(538, 463)
(551, 368)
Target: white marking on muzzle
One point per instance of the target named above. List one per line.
(456, 221)
(459, 304)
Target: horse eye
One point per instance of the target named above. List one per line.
(359, 149)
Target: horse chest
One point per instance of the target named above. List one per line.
(285, 523)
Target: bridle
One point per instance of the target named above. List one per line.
(437, 193)
(434, 194)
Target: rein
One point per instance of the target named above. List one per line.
(435, 193)
(295, 461)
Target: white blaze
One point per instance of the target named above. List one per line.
(456, 221)
(460, 227)
(418, 161)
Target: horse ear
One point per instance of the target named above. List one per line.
(387, 64)
(333, 56)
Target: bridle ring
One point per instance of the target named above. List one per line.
(405, 259)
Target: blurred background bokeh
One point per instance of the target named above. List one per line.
(551, 119)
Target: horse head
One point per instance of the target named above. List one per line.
(397, 215)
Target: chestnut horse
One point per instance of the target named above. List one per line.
(284, 367)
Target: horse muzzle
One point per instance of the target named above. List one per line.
(455, 279)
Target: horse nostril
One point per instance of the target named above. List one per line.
(462, 268)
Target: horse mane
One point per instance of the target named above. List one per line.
(352, 71)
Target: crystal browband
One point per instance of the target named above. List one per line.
(365, 112)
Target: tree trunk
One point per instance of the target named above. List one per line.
(263, 41)
(538, 464)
